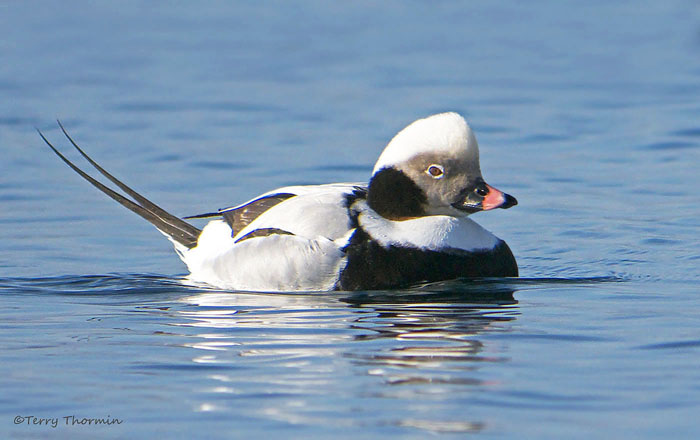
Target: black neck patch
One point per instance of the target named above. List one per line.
(393, 195)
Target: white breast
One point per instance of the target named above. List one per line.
(435, 232)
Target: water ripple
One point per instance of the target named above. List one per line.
(671, 345)
(670, 146)
(484, 288)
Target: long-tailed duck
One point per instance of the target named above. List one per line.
(408, 225)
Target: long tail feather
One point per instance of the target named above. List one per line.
(179, 230)
(207, 215)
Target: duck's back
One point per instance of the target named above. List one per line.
(287, 239)
(312, 211)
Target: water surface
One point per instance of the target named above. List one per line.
(588, 114)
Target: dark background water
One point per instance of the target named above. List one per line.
(588, 113)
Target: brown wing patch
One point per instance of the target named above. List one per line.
(241, 216)
(263, 232)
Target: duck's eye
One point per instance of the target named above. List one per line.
(435, 171)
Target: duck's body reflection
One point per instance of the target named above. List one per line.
(423, 344)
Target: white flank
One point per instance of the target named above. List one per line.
(272, 263)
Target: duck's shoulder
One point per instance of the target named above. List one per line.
(287, 192)
(310, 210)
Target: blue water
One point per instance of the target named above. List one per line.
(588, 113)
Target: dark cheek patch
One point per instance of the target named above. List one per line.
(393, 195)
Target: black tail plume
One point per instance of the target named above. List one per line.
(176, 228)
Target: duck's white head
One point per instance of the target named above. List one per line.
(432, 167)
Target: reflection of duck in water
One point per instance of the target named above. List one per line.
(448, 310)
(408, 225)
(437, 322)
(418, 348)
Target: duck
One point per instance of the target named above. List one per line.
(408, 224)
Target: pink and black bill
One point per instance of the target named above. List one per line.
(483, 197)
